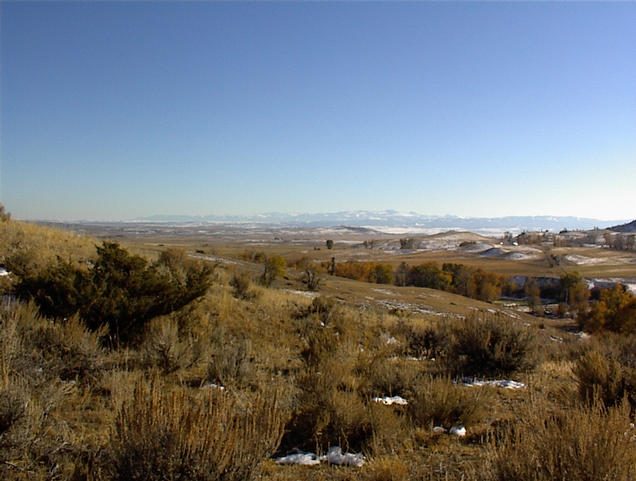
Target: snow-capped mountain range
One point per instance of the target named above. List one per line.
(393, 220)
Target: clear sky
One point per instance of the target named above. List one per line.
(118, 110)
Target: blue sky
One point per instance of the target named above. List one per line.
(118, 110)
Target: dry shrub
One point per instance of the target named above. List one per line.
(231, 362)
(390, 426)
(583, 443)
(180, 435)
(241, 284)
(422, 341)
(381, 375)
(439, 402)
(69, 350)
(33, 439)
(386, 468)
(608, 376)
(490, 346)
(169, 350)
(41, 350)
(328, 411)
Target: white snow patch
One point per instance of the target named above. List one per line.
(222, 260)
(439, 429)
(503, 383)
(307, 294)
(4, 272)
(387, 401)
(584, 260)
(300, 457)
(458, 431)
(335, 456)
(211, 385)
(384, 291)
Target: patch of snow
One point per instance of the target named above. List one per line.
(308, 294)
(584, 260)
(211, 385)
(439, 429)
(335, 456)
(583, 335)
(214, 259)
(299, 457)
(387, 401)
(459, 431)
(503, 383)
(4, 272)
(415, 308)
(384, 291)
(421, 358)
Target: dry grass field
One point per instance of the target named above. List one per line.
(245, 374)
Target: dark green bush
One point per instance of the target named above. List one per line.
(121, 290)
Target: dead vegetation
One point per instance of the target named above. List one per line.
(218, 387)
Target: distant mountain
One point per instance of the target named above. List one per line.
(628, 227)
(393, 220)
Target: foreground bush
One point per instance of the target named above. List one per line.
(583, 444)
(615, 311)
(202, 436)
(439, 402)
(121, 290)
(608, 372)
(490, 347)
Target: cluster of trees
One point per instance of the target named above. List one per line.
(620, 241)
(365, 271)
(456, 278)
(119, 290)
(614, 311)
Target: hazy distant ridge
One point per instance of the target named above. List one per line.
(628, 227)
(396, 219)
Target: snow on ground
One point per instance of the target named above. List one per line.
(629, 283)
(458, 431)
(3, 272)
(503, 383)
(584, 260)
(334, 456)
(387, 401)
(384, 291)
(300, 457)
(211, 385)
(214, 259)
(405, 306)
(308, 294)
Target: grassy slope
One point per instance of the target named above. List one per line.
(83, 414)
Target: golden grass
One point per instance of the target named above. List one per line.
(102, 414)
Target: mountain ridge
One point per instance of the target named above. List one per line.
(393, 219)
(627, 227)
